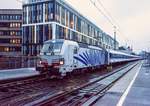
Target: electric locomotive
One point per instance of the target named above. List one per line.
(60, 57)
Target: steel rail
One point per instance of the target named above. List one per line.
(61, 95)
(21, 81)
(90, 95)
(102, 92)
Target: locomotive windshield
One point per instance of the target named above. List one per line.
(52, 47)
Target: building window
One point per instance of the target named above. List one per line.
(15, 41)
(78, 27)
(6, 49)
(39, 32)
(74, 36)
(47, 32)
(39, 13)
(1, 33)
(29, 14)
(15, 25)
(71, 23)
(24, 15)
(31, 35)
(63, 16)
(4, 24)
(67, 18)
(35, 13)
(57, 13)
(75, 22)
(49, 11)
(60, 32)
(66, 33)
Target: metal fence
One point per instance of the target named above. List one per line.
(17, 62)
(147, 60)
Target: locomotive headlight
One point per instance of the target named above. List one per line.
(41, 54)
(43, 62)
(61, 62)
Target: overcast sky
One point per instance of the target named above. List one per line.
(133, 17)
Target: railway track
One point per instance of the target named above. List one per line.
(37, 90)
(16, 92)
(86, 94)
(21, 81)
(13, 87)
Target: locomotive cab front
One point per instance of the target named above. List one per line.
(51, 57)
(56, 57)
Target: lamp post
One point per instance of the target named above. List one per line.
(114, 37)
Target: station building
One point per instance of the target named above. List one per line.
(10, 32)
(55, 19)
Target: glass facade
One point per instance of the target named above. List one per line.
(35, 14)
(54, 19)
(49, 11)
(25, 9)
(33, 38)
(10, 32)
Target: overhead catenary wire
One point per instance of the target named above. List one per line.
(113, 19)
(109, 18)
(108, 13)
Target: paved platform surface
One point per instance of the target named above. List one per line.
(132, 90)
(139, 95)
(17, 73)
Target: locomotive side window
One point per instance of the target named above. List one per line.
(75, 50)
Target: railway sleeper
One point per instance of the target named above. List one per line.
(73, 101)
(92, 88)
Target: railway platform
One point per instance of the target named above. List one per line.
(17, 73)
(132, 90)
